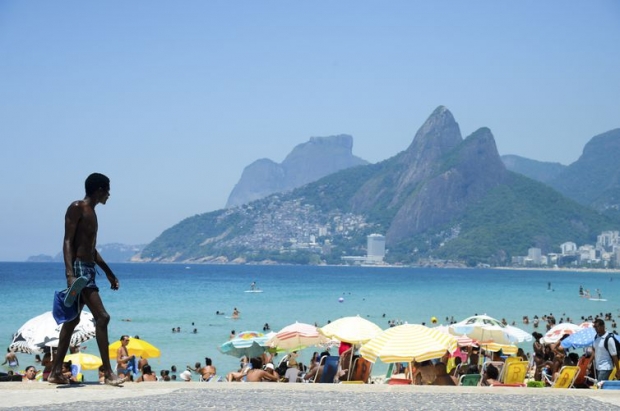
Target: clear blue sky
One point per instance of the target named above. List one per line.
(173, 99)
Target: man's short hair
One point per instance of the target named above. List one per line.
(94, 182)
(599, 322)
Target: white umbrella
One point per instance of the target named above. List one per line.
(487, 329)
(354, 330)
(42, 331)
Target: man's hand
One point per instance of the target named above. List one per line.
(70, 280)
(114, 284)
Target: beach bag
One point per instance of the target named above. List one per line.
(61, 313)
(611, 336)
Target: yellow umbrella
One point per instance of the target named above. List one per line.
(137, 347)
(354, 330)
(86, 361)
(408, 342)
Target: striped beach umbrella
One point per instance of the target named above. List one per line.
(354, 330)
(296, 337)
(408, 342)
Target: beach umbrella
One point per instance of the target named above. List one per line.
(582, 338)
(487, 329)
(508, 349)
(137, 347)
(248, 343)
(86, 361)
(462, 340)
(354, 330)
(41, 332)
(558, 331)
(408, 342)
(296, 337)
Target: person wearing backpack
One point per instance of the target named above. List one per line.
(606, 349)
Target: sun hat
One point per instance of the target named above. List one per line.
(186, 375)
(269, 365)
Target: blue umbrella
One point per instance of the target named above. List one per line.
(582, 338)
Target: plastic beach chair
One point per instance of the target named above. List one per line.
(470, 380)
(566, 377)
(330, 368)
(514, 372)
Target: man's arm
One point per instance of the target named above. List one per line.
(72, 218)
(108, 272)
(271, 375)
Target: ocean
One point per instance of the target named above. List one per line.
(155, 298)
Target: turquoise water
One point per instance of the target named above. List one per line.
(158, 297)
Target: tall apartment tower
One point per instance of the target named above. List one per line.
(376, 248)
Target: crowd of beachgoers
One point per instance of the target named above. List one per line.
(545, 361)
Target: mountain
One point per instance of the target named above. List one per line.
(308, 162)
(594, 179)
(111, 253)
(443, 197)
(536, 170)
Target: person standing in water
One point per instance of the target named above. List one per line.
(80, 257)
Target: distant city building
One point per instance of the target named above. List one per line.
(608, 240)
(375, 251)
(568, 248)
(375, 244)
(534, 255)
(587, 253)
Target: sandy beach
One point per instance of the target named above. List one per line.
(282, 396)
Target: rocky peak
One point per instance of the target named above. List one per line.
(307, 162)
(439, 134)
(461, 177)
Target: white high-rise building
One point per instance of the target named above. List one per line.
(376, 248)
(534, 255)
(569, 248)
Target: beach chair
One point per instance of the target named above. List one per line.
(514, 372)
(566, 377)
(502, 369)
(361, 372)
(330, 368)
(469, 380)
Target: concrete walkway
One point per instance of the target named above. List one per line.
(282, 396)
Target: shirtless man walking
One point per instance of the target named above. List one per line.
(80, 256)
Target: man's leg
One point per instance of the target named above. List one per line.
(93, 301)
(603, 375)
(66, 331)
